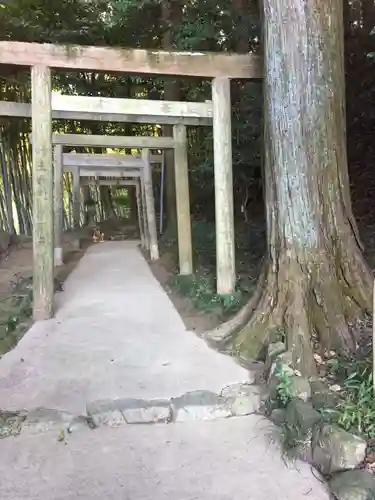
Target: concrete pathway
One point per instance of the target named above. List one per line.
(230, 459)
(116, 334)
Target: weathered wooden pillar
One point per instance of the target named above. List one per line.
(58, 204)
(144, 211)
(76, 197)
(225, 249)
(150, 205)
(43, 289)
(182, 200)
(140, 213)
(373, 337)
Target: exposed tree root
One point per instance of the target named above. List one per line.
(308, 297)
(219, 336)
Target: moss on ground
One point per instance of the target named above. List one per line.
(200, 288)
(15, 313)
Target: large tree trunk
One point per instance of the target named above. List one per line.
(316, 279)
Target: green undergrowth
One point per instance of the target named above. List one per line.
(351, 383)
(348, 403)
(355, 411)
(15, 313)
(284, 388)
(200, 288)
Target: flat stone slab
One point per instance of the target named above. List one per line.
(353, 485)
(199, 405)
(104, 412)
(336, 450)
(130, 411)
(243, 399)
(233, 401)
(137, 411)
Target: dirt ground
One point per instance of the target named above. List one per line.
(193, 319)
(250, 248)
(19, 261)
(16, 269)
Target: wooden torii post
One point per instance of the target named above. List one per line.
(109, 165)
(85, 181)
(43, 269)
(58, 201)
(122, 166)
(58, 204)
(85, 165)
(224, 218)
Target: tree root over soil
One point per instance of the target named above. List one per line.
(306, 299)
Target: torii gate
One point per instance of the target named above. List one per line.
(220, 67)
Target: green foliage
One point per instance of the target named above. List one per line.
(67, 22)
(290, 442)
(204, 237)
(122, 201)
(247, 140)
(283, 389)
(15, 310)
(247, 132)
(200, 289)
(356, 411)
(205, 25)
(90, 203)
(11, 323)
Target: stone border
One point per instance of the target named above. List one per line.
(338, 455)
(236, 400)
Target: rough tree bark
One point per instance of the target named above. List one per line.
(316, 278)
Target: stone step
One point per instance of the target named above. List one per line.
(234, 401)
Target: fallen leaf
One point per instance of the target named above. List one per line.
(61, 436)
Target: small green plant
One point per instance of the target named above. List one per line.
(357, 411)
(231, 303)
(290, 442)
(200, 289)
(333, 365)
(11, 323)
(16, 309)
(283, 389)
(122, 201)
